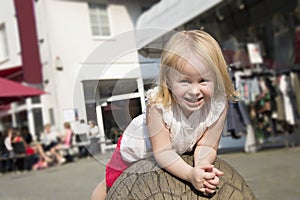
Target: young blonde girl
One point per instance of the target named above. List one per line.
(185, 112)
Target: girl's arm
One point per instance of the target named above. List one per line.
(166, 156)
(60, 136)
(206, 152)
(207, 146)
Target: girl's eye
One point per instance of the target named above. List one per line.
(184, 81)
(203, 81)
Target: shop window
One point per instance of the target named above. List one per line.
(118, 114)
(145, 8)
(36, 99)
(38, 122)
(6, 122)
(148, 84)
(99, 19)
(91, 111)
(21, 102)
(16, 32)
(21, 119)
(108, 88)
(111, 88)
(90, 88)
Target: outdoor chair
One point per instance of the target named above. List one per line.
(68, 151)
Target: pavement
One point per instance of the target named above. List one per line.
(271, 173)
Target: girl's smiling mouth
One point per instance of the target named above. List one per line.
(193, 101)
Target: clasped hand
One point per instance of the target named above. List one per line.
(205, 178)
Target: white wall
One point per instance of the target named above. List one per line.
(65, 27)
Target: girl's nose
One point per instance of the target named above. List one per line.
(195, 90)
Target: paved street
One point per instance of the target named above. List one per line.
(272, 174)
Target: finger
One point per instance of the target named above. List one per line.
(218, 172)
(214, 181)
(210, 191)
(202, 190)
(209, 186)
(209, 175)
(207, 167)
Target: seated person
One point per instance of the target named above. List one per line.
(66, 141)
(26, 135)
(94, 129)
(49, 138)
(34, 149)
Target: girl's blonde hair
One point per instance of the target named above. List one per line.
(176, 53)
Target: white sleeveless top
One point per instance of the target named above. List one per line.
(184, 132)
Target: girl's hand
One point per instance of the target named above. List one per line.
(200, 174)
(211, 185)
(218, 172)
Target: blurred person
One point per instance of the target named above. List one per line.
(82, 128)
(26, 135)
(95, 137)
(5, 141)
(94, 129)
(65, 142)
(34, 148)
(8, 141)
(49, 138)
(18, 138)
(3, 149)
(31, 156)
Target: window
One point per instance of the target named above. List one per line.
(113, 87)
(3, 43)
(36, 99)
(51, 115)
(99, 19)
(38, 122)
(145, 8)
(17, 37)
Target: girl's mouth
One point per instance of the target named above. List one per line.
(193, 100)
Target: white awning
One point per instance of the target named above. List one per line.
(167, 15)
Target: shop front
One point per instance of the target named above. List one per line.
(113, 103)
(260, 42)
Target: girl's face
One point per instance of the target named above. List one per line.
(193, 86)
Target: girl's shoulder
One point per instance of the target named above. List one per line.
(157, 108)
(159, 114)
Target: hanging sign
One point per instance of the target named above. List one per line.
(254, 53)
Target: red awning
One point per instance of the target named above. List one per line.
(10, 71)
(5, 107)
(11, 91)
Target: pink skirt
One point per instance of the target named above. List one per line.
(116, 166)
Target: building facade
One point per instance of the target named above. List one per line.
(87, 70)
(93, 53)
